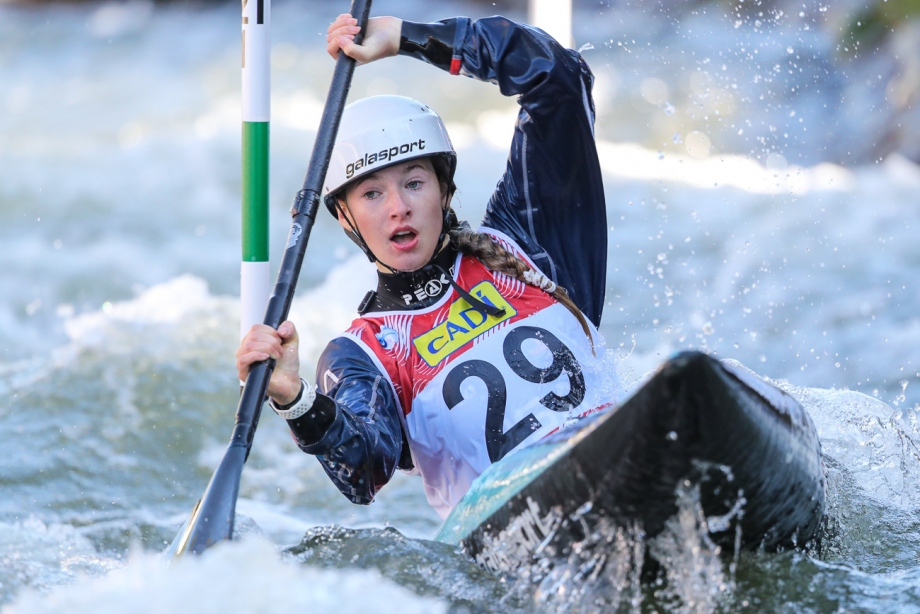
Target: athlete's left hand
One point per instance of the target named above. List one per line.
(381, 39)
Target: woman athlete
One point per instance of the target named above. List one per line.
(474, 343)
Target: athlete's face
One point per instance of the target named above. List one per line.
(398, 211)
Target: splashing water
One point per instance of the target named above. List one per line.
(119, 191)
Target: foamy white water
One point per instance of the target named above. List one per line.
(148, 584)
(119, 192)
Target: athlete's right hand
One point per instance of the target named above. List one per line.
(381, 39)
(263, 342)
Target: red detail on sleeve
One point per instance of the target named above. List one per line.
(455, 66)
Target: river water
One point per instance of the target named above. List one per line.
(733, 228)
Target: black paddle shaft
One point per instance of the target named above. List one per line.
(303, 211)
(212, 519)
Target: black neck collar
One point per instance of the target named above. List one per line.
(402, 291)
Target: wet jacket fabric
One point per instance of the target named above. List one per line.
(549, 204)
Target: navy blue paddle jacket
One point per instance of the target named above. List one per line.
(550, 201)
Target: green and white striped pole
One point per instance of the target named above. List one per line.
(256, 106)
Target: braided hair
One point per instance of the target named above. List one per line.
(492, 254)
(496, 258)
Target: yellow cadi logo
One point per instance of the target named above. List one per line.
(463, 324)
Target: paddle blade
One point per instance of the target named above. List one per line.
(212, 519)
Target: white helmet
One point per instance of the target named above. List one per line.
(380, 131)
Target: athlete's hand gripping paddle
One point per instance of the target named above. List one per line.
(211, 521)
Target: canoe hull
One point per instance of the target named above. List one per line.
(752, 450)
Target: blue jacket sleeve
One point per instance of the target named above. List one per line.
(551, 197)
(550, 201)
(362, 442)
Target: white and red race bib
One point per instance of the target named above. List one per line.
(474, 387)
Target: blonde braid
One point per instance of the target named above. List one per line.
(497, 258)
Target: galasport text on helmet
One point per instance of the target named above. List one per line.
(380, 131)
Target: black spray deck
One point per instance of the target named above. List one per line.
(752, 450)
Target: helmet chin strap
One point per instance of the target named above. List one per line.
(355, 235)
